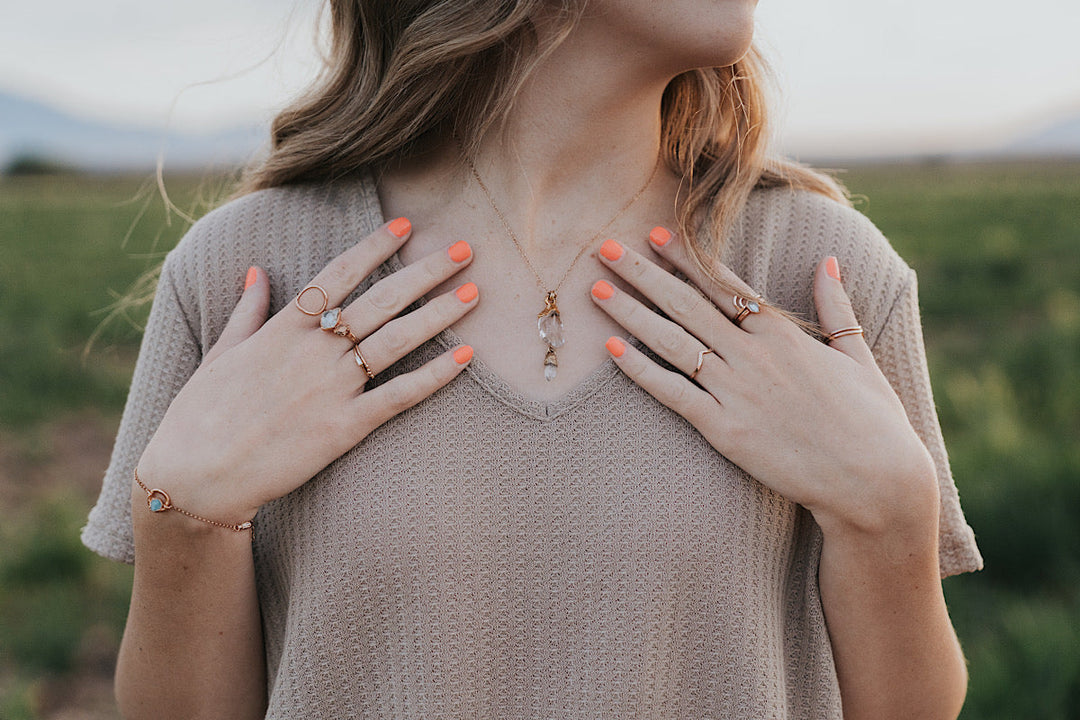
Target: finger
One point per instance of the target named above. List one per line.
(389, 296)
(248, 316)
(342, 274)
(672, 248)
(668, 339)
(669, 388)
(835, 311)
(376, 406)
(401, 336)
(675, 298)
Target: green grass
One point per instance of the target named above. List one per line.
(997, 248)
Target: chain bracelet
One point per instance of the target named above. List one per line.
(159, 501)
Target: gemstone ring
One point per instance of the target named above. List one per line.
(331, 322)
(743, 306)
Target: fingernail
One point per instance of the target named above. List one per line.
(659, 236)
(602, 290)
(400, 227)
(463, 355)
(615, 346)
(832, 267)
(611, 250)
(460, 251)
(252, 276)
(467, 292)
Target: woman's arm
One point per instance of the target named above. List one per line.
(895, 650)
(821, 425)
(193, 644)
(273, 403)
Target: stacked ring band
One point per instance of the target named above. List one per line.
(362, 363)
(743, 306)
(331, 322)
(844, 332)
(322, 308)
(700, 361)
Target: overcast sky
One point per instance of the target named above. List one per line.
(859, 76)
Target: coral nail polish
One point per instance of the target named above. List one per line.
(400, 227)
(615, 346)
(252, 276)
(459, 251)
(602, 290)
(659, 236)
(832, 267)
(467, 292)
(611, 250)
(463, 354)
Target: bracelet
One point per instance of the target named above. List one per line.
(159, 501)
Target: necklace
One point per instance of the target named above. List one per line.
(549, 320)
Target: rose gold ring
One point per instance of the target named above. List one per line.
(322, 308)
(744, 306)
(700, 361)
(362, 363)
(843, 332)
(331, 323)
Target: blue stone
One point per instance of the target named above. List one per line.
(156, 505)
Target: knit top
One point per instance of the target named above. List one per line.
(592, 557)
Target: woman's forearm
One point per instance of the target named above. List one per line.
(895, 649)
(193, 643)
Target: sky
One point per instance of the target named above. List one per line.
(858, 77)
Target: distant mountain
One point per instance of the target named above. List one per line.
(1059, 138)
(32, 128)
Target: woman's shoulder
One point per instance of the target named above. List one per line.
(782, 235)
(290, 232)
(287, 219)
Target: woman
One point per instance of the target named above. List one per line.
(671, 502)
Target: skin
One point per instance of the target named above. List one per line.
(585, 125)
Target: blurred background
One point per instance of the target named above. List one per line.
(955, 125)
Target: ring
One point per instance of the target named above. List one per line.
(331, 322)
(700, 361)
(843, 332)
(362, 363)
(325, 300)
(745, 306)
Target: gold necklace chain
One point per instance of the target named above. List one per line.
(549, 323)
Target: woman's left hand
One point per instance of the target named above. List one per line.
(817, 423)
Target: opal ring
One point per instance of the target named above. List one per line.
(331, 322)
(843, 332)
(305, 291)
(362, 363)
(700, 361)
(743, 307)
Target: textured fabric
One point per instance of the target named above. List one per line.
(484, 555)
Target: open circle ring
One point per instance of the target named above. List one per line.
(305, 291)
(743, 307)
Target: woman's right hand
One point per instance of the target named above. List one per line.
(275, 401)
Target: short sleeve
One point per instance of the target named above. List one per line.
(168, 356)
(901, 355)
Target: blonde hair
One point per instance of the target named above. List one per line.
(399, 74)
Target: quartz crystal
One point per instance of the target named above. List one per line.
(550, 327)
(551, 365)
(329, 319)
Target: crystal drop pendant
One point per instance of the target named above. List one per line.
(550, 326)
(551, 365)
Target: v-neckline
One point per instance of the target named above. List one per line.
(478, 370)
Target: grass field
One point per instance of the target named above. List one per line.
(997, 248)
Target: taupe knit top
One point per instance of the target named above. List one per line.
(587, 558)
